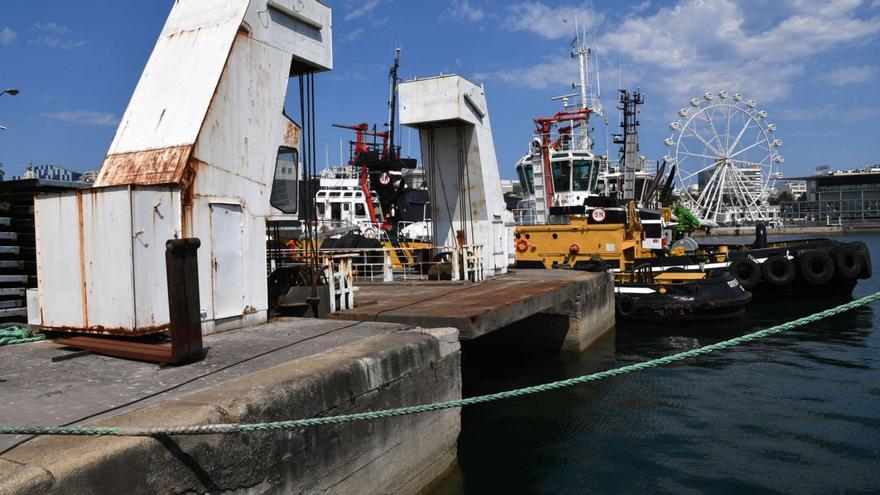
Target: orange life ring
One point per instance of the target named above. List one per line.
(574, 249)
(522, 245)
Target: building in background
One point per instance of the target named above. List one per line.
(796, 188)
(49, 172)
(838, 197)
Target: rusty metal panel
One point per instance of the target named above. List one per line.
(155, 219)
(107, 245)
(161, 166)
(59, 271)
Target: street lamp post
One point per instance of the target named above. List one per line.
(10, 92)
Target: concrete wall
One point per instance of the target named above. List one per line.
(397, 455)
(590, 313)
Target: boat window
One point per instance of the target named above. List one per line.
(582, 175)
(347, 195)
(597, 165)
(523, 180)
(561, 176)
(285, 185)
(322, 207)
(360, 210)
(334, 194)
(346, 207)
(530, 176)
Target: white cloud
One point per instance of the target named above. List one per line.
(51, 37)
(354, 35)
(845, 76)
(552, 72)
(846, 114)
(84, 117)
(52, 27)
(364, 9)
(700, 45)
(678, 52)
(464, 10)
(56, 42)
(7, 36)
(549, 22)
(638, 9)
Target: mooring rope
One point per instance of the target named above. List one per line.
(437, 406)
(18, 335)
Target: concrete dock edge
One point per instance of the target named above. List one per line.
(394, 455)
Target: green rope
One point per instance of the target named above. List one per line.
(437, 406)
(18, 335)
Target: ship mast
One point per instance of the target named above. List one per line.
(392, 103)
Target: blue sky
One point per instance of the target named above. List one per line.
(812, 65)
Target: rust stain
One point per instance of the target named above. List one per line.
(148, 167)
(291, 135)
(244, 29)
(249, 310)
(188, 180)
(82, 260)
(100, 330)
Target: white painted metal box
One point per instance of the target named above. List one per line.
(109, 276)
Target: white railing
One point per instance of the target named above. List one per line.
(525, 216)
(340, 279)
(472, 259)
(385, 265)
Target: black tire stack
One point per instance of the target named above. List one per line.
(843, 263)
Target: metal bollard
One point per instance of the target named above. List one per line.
(181, 265)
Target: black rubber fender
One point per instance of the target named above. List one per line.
(627, 306)
(747, 271)
(816, 266)
(847, 261)
(778, 270)
(862, 249)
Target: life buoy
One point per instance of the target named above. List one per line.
(778, 270)
(847, 261)
(747, 271)
(816, 267)
(522, 245)
(627, 306)
(574, 249)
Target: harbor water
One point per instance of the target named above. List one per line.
(798, 412)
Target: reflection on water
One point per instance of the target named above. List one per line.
(795, 412)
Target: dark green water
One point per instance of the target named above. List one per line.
(796, 413)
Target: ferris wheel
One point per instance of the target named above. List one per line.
(727, 157)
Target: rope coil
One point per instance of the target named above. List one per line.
(18, 335)
(437, 406)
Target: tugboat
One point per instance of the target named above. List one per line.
(585, 214)
(370, 197)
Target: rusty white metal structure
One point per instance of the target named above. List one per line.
(458, 153)
(194, 156)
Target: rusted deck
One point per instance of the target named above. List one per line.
(473, 308)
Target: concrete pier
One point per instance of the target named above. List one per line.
(289, 368)
(526, 298)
